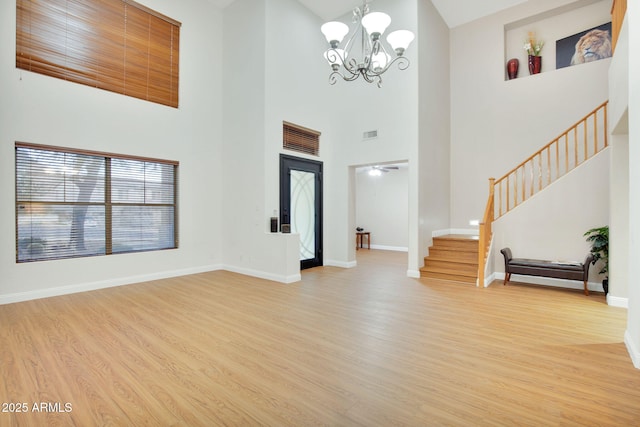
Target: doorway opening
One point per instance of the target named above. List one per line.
(382, 204)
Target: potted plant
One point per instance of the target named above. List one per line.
(599, 240)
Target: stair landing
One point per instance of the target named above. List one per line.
(452, 257)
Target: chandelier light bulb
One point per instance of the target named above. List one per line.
(376, 23)
(334, 32)
(400, 40)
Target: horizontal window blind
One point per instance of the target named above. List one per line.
(301, 139)
(142, 193)
(116, 45)
(74, 203)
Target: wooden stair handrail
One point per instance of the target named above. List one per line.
(618, 10)
(563, 134)
(539, 170)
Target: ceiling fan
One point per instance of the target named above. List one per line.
(378, 170)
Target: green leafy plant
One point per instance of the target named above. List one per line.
(599, 240)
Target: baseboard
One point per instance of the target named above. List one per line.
(489, 280)
(390, 248)
(415, 274)
(547, 281)
(341, 264)
(634, 352)
(92, 286)
(262, 275)
(617, 301)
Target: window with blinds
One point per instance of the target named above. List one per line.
(298, 138)
(116, 45)
(72, 203)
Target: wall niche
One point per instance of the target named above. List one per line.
(549, 27)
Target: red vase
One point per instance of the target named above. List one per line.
(512, 68)
(535, 64)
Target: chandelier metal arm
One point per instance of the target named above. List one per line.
(403, 64)
(374, 59)
(355, 70)
(371, 78)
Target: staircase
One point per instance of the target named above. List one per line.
(452, 257)
(585, 139)
(457, 257)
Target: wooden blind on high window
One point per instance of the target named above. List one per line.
(116, 45)
(301, 139)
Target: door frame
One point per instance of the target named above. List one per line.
(287, 164)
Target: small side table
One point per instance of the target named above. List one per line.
(360, 237)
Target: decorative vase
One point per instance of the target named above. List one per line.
(535, 64)
(512, 68)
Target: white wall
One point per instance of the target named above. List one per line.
(382, 207)
(434, 112)
(249, 247)
(496, 124)
(619, 219)
(619, 259)
(632, 335)
(44, 110)
(294, 96)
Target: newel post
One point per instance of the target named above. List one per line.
(485, 234)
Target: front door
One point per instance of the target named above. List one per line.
(301, 205)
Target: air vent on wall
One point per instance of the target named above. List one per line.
(372, 134)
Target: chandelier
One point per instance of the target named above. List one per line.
(374, 59)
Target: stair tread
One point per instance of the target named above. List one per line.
(452, 245)
(451, 264)
(449, 244)
(449, 271)
(453, 259)
(460, 245)
(464, 237)
(452, 252)
(450, 277)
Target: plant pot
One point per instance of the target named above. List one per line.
(535, 64)
(512, 68)
(605, 286)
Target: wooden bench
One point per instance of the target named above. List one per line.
(553, 269)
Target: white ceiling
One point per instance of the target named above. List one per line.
(458, 12)
(454, 12)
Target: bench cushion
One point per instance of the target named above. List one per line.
(552, 265)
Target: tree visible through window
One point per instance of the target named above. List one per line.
(73, 203)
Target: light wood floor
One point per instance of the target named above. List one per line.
(344, 347)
